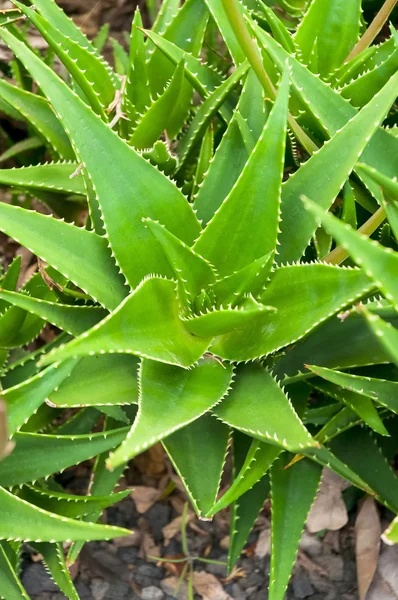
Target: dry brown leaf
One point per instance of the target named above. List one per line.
(263, 546)
(144, 497)
(328, 510)
(367, 544)
(385, 583)
(149, 548)
(208, 586)
(174, 527)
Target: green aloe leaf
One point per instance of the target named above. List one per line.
(378, 262)
(205, 437)
(72, 319)
(9, 281)
(38, 455)
(50, 177)
(137, 89)
(382, 391)
(37, 111)
(390, 536)
(385, 333)
(206, 111)
(224, 320)
(183, 395)
(67, 505)
(160, 115)
(24, 399)
(26, 145)
(338, 157)
(204, 160)
(186, 31)
(223, 173)
(390, 186)
(255, 231)
(327, 110)
(102, 380)
(54, 559)
(8, 16)
(327, 33)
(292, 493)
(257, 462)
(268, 415)
(146, 324)
(362, 89)
(218, 13)
(363, 349)
(312, 292)
(231, 290)
(24, 521)
(360, 452)
(358, 403)
(148, 193)
(192, 272)
(84, 257)
(11, 587)
(88, 70)
(244, 512)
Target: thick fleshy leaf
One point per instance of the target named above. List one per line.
(379, 263)
(180, 395)
(250, 280)
(337, 158)
(84, 257)
(224, 320)
(192, 272)
(328, 111)
(24, 399)
(359, 450)
(310, 292)
(292, 493)
(244, 512)
(67, 505)
(364, 348)
(206, 437)
(146, 191)
(245, 227)
(24, 521)
(382, 391)
(37, 111)
(54, 559)
(386, 334)
(49, 177)
(38, 455)
(104, 380)
(137, 85)
(218, 13)
(160, 116)
(205, 112)
(11, 587)
(268, 414)
(89, 71)
(258, 461)
(327, 33)
(231, 154)
(72, 319)
(358, 403)
(146, 324)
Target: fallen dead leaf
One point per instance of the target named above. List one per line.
(236, 573)
(170, 584)
(328, 510)
(208, 586)
(134, 539)
(263, 546)
(174, 527)
(385, 583)
(149, 548)
(367, 544)
(144, 497)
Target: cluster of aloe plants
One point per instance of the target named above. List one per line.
(224, 293)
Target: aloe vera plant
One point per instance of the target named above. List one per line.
(207, 294)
